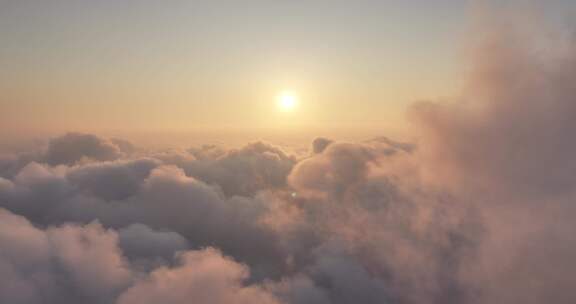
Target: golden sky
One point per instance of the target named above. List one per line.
(218, 66)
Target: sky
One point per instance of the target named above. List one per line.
(217, 66)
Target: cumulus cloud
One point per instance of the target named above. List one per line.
(73, 147)
(319, 144)
(72, 264)
(112, 180)
(122, 193)
(506, 146)
(337, 167)
(67, 264)
(158, 210)
(140, 241)
(204, 277)
(245, 171)
(382, 236)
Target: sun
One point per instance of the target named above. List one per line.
(287, 100)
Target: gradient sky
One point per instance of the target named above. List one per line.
(211, 66)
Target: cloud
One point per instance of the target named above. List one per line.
(73, 147)
(245, 171)
(67, 264)
(72, 263)
(336, 168)
(355, 195)
(158, 210)
(512, 126)
(506, 146)
(299, 289)
(122, 193)
(140, 241)
(319, 144)
(382, 235)
(11, 164)
(112, 180)
(203, 276)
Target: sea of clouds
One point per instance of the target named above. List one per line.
(480, 208)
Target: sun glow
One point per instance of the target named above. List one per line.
(287, 100)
